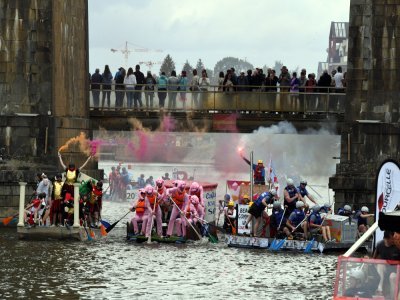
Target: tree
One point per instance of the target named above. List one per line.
(229, 62)
(189, 70)
(199, 66)
(278, 66)
(168, 65)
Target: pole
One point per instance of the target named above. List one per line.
(251, 176)
(76, 205)
(21, 204)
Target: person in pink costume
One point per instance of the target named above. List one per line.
(200, 209)
(143, 211)
(191, 212)
(165, 204)
(197, 189)
(180, 198)
(154, 199)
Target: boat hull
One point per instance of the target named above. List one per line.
(58, 233)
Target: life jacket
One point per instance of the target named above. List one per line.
(299, 216)
(196, 194)
(278, 215)
(292, 192)
(258, 202)
(318, 218)
(95, 194)
(188, 210)
(57, 190)
(70, 177)
(302, 191)
(361, 221)
(140, 206)
(151, 199)
(258, 173)
(178, 198)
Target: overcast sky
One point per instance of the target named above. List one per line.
(259, 31)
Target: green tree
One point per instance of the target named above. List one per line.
(168, 65)
(189, 70)
(199, 66)
(229, 62)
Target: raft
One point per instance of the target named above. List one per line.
(248, 242)
(58, 233)
(155, 238)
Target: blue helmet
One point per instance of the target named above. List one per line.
(227, 197)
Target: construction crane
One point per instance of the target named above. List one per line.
(126, 51)
(150, 64)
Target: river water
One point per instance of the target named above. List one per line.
(112, 268)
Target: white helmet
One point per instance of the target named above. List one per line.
(289, 181)
(364, 209)
(273, 192)
(357, 274)
(347, 207)
(276, 205)
(327, 205)
(316, 208)
(299, 204)
(303, 182)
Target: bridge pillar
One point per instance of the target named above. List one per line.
(371, 132)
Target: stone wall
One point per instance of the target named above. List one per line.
(371, 131)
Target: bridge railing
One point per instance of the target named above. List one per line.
(263, 99)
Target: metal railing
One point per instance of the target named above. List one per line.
(215, 99)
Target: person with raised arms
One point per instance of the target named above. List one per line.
(291, 196)
(180, 198)
(258, 170)
(258, 208)
(316, 226)
(143, 211)
(297, 220)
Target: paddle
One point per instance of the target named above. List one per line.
(111, 227)
(182, 214)
(212, 239)
(7, 220)
(309, 246)
(87, 233)
(152, 221)
(274, 244)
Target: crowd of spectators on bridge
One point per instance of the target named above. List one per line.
(133, 84)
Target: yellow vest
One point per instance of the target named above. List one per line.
(57, 190)
(71, 177)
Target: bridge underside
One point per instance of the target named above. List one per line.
(240, 121)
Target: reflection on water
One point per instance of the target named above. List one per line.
(114, 269)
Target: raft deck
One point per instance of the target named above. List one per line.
(58, 233)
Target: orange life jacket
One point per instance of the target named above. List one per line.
(179, 198)
(140, 207)
(153, 198)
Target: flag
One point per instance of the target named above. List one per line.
(103, 231)
(105, 224)
(271, 172)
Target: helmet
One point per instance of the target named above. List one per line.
(299, 204)
(231, 203)
(303, 182)
(364, 209)
(260, 161)
(194, 199)
(227, 197)
(347, 208)
(245, 196)
(159, 182)
(289, 181)
(273, 192)
(316, 208)
(181, 185)
(194, 187)
(276, 205)
(327, 205)
(357, 274)
(149, 189)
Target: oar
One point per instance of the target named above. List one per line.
(7, 220)
(212, 239)
(115, 223)
(279, 244)
(182, 214)
(309, 246)
(233, 227)
(87, 233)
(152, 221)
